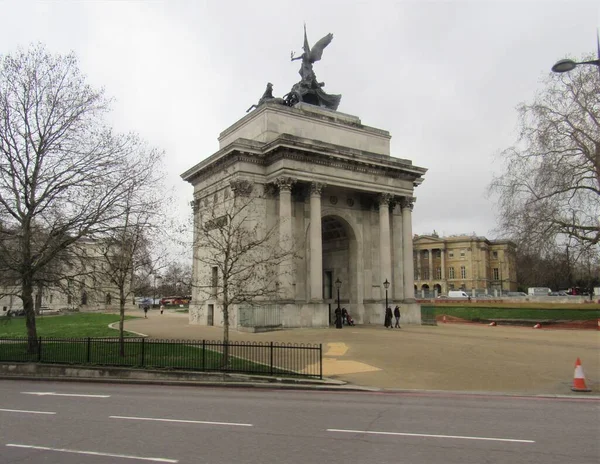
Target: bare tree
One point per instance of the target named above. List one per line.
(549, 192)
(177, 279)
(126, 248)
(63, 174)
(246, 255)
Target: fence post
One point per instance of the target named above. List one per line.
(142, 354)
(321, 361)
(39, 349)
(89, 342)
(203, 355)
(271, 358)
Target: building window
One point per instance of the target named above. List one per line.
(462, 253)
(215, 279)
(463, 272)
(425, 274)
(495, 254)
(451, 273)
(496, 274)
(450, 254)
(438, 272)
(416, 275)
(438, 254)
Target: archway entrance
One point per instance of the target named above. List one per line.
(339, 262)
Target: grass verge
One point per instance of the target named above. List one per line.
(475, 313)
(64, 326)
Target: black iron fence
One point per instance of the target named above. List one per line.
(282, 359)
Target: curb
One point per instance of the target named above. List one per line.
(120, 375)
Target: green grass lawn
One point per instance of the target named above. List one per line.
(80, 345)
(475, 313)
(64, 326)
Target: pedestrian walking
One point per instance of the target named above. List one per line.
(388, 318)
(344, 316)
(162, 308)
(146, 308)
(397, 316)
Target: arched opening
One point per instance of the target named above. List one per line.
(84, 298)
(437, 288)
(339, 262)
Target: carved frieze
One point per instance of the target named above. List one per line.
(241, 187)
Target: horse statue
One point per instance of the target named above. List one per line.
(267, 97)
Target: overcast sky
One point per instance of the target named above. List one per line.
(444, 78)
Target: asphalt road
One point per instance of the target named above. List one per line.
(52, 423)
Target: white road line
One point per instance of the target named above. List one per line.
(512, 440)
(27, 412)
(92, 453)
(64, 394)
(180, 420)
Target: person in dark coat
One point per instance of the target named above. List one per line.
(397, 316)
(344, 316)
(388, 317)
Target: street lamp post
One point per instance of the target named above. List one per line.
(386, 284)
(338, 311)
(562, 66)
(154, 289)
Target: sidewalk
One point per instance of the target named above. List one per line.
(449, 357)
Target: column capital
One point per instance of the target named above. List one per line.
(407, 202)
(284, 183)
(316, 188)
(195, 205)
(384, 199)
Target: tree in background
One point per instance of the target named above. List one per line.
(177, 279)
(64, 175)
(549, 192)
(128, 247)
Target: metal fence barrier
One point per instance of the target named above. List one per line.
(270, 358)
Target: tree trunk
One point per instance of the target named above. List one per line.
(121, 323)
(225, 360)
(28, 306)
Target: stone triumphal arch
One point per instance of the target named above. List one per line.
(331, 186)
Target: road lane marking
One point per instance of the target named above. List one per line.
(92, 453)
(65, 394)
(27, 412)
(426, 435)
(179, 420)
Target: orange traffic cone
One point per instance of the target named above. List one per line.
(492, 324)
(537, 326)
(579, 379)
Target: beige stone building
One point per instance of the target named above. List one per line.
(463, 262)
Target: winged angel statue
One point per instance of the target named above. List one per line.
(308, 90)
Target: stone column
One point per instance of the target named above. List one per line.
(316, 242)
(286, 237)
(385, 249)
(397, 251)
(430, 251)
(407, 239)
(443, 254)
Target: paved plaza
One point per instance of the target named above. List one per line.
(450, 357)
